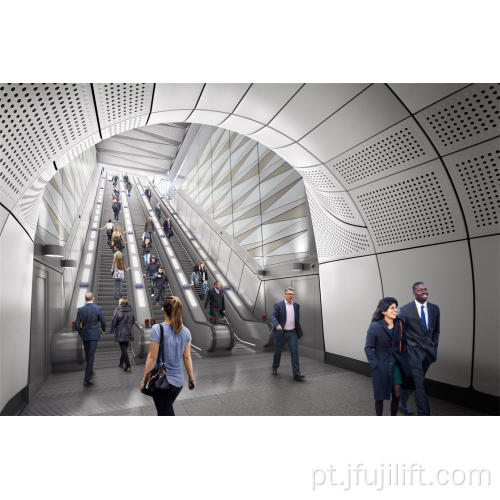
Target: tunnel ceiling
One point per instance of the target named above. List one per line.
(385, 167)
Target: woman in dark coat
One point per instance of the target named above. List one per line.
(121, 326)
(387, 354)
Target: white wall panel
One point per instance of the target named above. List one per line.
(3, 217)
(222, 96)
(223, 257)
(374, 110)
(350, 291)
(419, 95)
(207, 117)
(214, 245)
(271, 138)
(241, 125)
(446, 271)
(176, 96)
(311, 105)
(249, 287)
(297, 156)
(15, 309)
(234, 270)
(486, 258)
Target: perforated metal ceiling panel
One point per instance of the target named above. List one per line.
(122, 106)
(464, 119)
(413, 208)
(372, 111)
(419, 95)
(400, 147)
(341, 206)
(335, 239)
(39, 123)
(320, 178)
(476, 175)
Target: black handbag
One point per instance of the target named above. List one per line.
(156, 380)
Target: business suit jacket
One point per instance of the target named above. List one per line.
(415, 335)
(216, 301)
(90, 315)
(380, 347)
(279, 318)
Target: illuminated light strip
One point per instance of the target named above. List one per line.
(244, 341)
(182, 278)
(175, 263)
(91, 246)
(191, 298)
(135, 262)
(85, 275)
(88, 259)
(92, 235)
(233, 298)
(141, 298)
(198, 348)
(81, 295)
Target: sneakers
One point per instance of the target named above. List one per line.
(299, 378)
(275, 371)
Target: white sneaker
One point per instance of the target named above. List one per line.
(152, 295)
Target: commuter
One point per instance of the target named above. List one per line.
(152, 272)
(147, 192)
(422, 320)
(125, 178)
(167, 228)
(146, 250)
(202, 270)
(149, 228)
(116, 193)
(286, 321)
(176, 348)
(121, 327)
(129, 187)
(109, 231)
(158, 211)
(387, 354)
(118, 269)
(116, 207)
(117, 239)
(159, 285)
(88, 318)
(115, 180)
(215, 298)
(197, 282)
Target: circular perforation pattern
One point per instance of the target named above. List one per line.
(37, 122)
(398, 148)
(481, 179)
(317, 178)
(413, 209)
(121, 100)
(332, 238)
(469, 114)
(339, 206)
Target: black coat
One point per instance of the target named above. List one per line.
(379, 349)
(415, 335)
(160, 282)
(216, 301)
(121, 324)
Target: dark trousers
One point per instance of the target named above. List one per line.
(419, 364)
(89, 346)
(124, 356)
(109, 234)
(159, 296)
(117, 213)
(164, 401)
(280, 338)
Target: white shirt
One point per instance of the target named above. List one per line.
(419, 309)
(290, 316)
(109, 225)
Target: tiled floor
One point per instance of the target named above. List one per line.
(241, 384)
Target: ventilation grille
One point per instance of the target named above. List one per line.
(118, 101)
(410, 210)
(464, 118)
(316, 177)
(480, 176)
(37, 123)
(399, 147)
(333, 238)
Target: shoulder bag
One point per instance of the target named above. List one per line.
(156, 380)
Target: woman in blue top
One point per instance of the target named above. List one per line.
(177, 349)
(387, 354)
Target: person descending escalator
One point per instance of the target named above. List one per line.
(149, 228)
(146, 251)
(197, 282)
(215, 298)
(158, 211)
(115, 180)
(152, 272)
(147, 192)
(159, 285)
(167, 227)
(129, 187)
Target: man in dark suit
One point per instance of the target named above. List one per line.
(87, 323)
(286, 321)
(421, 319)
(215, 298)
(147, 192)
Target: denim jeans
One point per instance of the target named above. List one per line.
(280, 339)
(149, 236)
(129, 192)
(160, 296)
(117, 288)
(147, 256)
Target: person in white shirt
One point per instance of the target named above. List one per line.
(422, 326)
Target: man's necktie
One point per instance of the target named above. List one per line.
(422, 318)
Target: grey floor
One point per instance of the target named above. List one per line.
(240, 384)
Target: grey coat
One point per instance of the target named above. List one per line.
(121, 325)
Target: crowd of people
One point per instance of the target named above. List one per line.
(400, 344)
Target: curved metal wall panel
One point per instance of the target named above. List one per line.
(486, 257)
(398, 148)
(350, 291)
(463, 119)
(446, 271)
(413, 208)
(476, 175)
